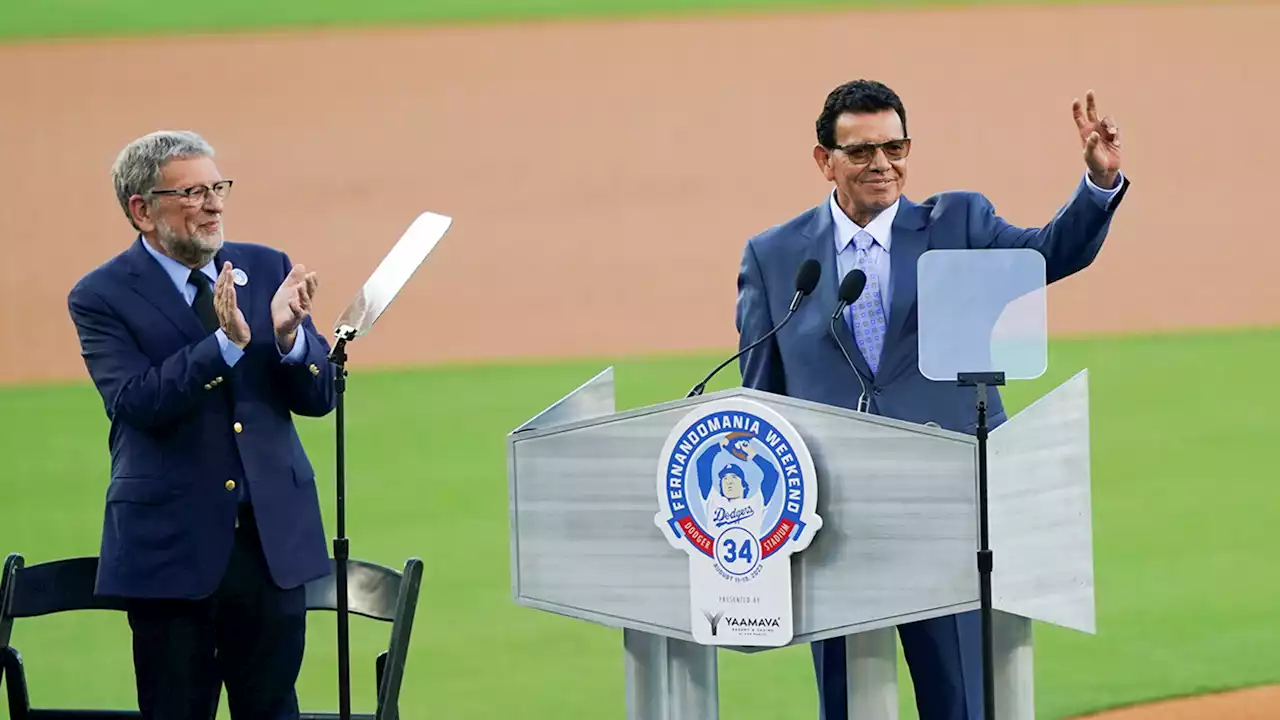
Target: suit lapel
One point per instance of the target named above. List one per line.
(155, 285)
(822, 247)
(910, 240)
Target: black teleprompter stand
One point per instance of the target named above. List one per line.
(341, 549)
(983, 380)
(397, 266)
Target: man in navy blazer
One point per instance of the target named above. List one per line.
(202, 351)
(866, 222)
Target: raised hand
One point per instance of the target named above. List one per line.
(230, 318)
(1100, 138)
(292, 304)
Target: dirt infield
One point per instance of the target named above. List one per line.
(1261, 703)
(585, 163)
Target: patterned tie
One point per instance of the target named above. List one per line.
(867, 317)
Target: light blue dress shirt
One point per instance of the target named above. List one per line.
(180, 275)
(881, 228)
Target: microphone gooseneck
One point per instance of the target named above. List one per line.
(806, 280)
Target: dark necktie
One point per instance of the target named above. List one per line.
(203, 304)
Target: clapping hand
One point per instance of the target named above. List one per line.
(292, 304)
(230, 317)
(1100, 138)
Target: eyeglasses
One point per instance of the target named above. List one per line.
(863, 153)
(197, 194)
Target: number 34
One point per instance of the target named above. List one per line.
(735, 552)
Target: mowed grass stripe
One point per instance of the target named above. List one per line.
(30, 19)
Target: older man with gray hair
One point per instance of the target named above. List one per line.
(202, 351)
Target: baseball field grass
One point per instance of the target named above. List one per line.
(25, 19)
(1183, 523)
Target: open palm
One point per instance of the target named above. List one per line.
(1100, 137)
(225, 304)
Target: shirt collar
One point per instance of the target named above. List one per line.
(179, 273)
(880, 228)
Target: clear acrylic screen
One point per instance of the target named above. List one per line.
(982, 311)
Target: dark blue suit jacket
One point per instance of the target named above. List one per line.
(804, 361)
(188, 431)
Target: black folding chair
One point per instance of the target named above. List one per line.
(44, 589)
(380, 593)
(373, 591)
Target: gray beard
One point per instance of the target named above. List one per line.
(192, 251)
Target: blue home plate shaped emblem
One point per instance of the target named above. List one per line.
(738, 493)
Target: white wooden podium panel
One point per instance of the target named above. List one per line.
(898, 541)
(898, 503)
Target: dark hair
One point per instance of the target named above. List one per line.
(856, 96)
(734, 470)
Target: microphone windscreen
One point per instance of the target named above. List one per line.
(807, 276)
(852, 285)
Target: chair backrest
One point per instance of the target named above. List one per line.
(47, 588)
(373, 591)
(44, 589)
(58, 586)
(380, 593)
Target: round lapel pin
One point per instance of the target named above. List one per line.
(239, 277)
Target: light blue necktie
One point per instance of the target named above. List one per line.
(867, 316)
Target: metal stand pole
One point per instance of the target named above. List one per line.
(340, 546)
(985, 560)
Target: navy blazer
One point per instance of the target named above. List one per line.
(804, 361)
(187, 430)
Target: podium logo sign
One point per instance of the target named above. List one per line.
(737, 491)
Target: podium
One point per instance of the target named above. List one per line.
(899, 534)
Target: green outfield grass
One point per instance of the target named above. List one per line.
(1184, 494)
(23, 19)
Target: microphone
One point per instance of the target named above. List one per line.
(850, 290)
(806, 280)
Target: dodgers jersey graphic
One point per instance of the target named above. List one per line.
(730, 499)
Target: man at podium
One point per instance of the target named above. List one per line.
(867, 223)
